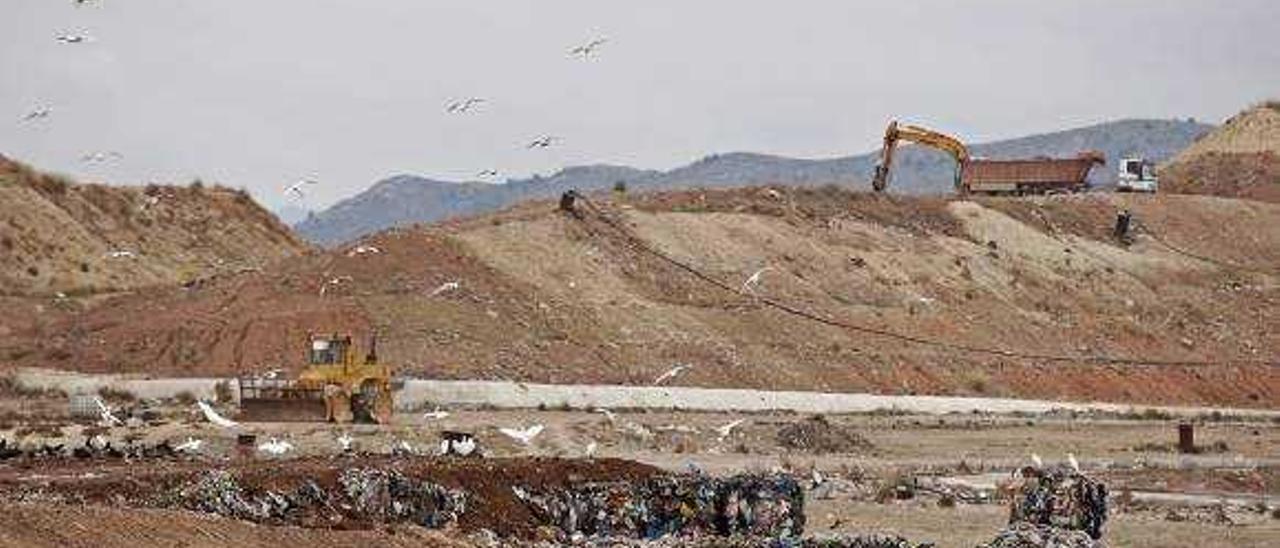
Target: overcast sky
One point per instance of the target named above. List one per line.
(261, 93)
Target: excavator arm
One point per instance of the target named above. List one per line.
(918, 135)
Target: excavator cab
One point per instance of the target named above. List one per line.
(335, 386)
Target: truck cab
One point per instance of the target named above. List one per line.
(1137, 175)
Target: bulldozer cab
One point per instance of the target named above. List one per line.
(329, 351)
(334, 386)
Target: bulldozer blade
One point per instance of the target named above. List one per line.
(282, 410)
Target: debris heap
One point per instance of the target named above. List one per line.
(769, 506)
(362, 495)
(1057, 507)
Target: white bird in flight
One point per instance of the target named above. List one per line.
(525, 437)
(275, 446)
(463, 106)
(436, 415)
(589, 48)
(487, 173)
(120, 254)
(363, 249)
(38, 114)
(192, 445)
(447, 286)
(543, 141)
(724, 431)
(753, 281)
(73, 38)
(671, 373)
(213, 416)
(590, 451)
(608, 414)
(101, 156)
(104, 412)
(295, 189)
(1075, 464)
(1037, 460)
(345, 441)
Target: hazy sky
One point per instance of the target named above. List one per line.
(261, 93)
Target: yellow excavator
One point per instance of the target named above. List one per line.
(916, 134)
(348, 389)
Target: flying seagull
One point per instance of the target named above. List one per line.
(363, 249)
(436, 415)
(525, 437)
(753, 281)
(671, 374)
(108, 418)
(73, 38)
(447, 286)
(587, 49)
(101, 156)
(192, 445)
(38, 114)
(120, 254)
(543, 141)
(590, 451)
(213, 416)
(463, 106)
(1037, 460)
(487, 173)
(724, 431)
(295, 189)
(1075, 464)
(345, 441)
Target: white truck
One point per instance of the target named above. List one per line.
(1137, 175)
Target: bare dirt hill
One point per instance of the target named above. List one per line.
(57, 236)
(548, 297)
(1241, 158)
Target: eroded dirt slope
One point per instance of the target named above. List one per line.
(544, 296)
(1241, 158)
(57, 236)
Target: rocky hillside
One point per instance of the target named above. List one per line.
(945, 296)
(1241, 158)
(406, 199)
(57, 236)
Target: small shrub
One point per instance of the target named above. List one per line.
(112, 393)
(196, 185)
(620, 187)
(222, 392)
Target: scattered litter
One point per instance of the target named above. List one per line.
(192, 445)
(726, 430)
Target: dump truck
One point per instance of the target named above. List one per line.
(336, 386)
(986, 176)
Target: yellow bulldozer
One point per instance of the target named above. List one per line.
(336, 386)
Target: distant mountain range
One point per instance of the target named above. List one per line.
(407, 199)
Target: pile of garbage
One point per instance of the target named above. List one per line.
(818, 435)
(686, 506)
(365, 495)
(826, 541)
(1026, 535)
(1060, 497)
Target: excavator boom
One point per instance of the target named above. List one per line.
(919, 135)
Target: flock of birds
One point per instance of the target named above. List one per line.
(296, 191)
(473, 104)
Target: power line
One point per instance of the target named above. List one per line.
(643, 246)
